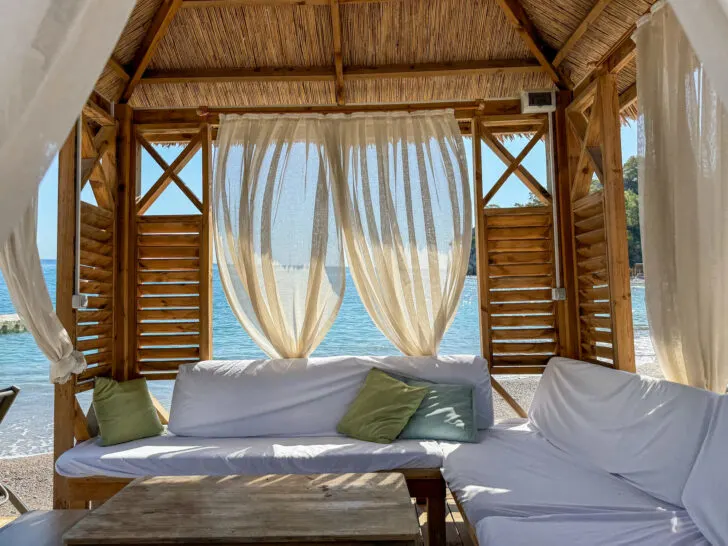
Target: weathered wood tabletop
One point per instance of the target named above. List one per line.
(353, 509)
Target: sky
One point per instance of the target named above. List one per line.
(173, 201)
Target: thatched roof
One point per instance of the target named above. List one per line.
(203, 50)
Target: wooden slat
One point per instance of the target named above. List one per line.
(95, 287)
(590, 251)
(168, 354)
(524, 333)
(191, 226)
(167, 289)
(90, 245)
(500, 321)
(521, 308)
(592, 294)
(500, 234)
(516, 245)
(168, 327)
(206, 249)
(171, 340)
(520, 270)
(168, 276)
(591, 237)
(162, 366)
(182, 264)
(96, 217)
(519, 362)
(169, 301)
(590, 224)
(505, 258)
(593, 278)
(504, 347)
(95, 371)
(169, 240)
(99, 302)
(591, 321)
(589, 205)
(519, 220)
(500, 296)
(168, 252)
(93, 274)
(86, 330)
(96, 234)
(168, 314)
(599, 336)
(598, 351)
(103, 357)
(543, 281)
(597, 263)
(92, 316)
(95, 343)
(598, 308)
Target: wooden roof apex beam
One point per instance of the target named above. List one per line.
(582, 29)
(157, 30)
(529, 33)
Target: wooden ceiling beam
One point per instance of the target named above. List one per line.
(529, 33)
(272, 74)
(338, 56)
(582, 29)
(120, 71)
(157, 30)
(628, 97)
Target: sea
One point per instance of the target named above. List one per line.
(28, 427)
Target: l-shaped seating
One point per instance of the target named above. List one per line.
(605, 457)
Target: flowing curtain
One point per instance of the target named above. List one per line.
(405, 205)
(277, 235)
(705, 23)
(20, 266)
(52, 53)
(684, 205)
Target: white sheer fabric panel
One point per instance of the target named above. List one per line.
(406, 211)
(53, 52)
(20, 266)
(277, 236)
(684, 205)
(705, 23)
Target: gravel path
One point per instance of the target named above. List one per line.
(32, 477)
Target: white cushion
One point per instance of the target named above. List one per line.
(300, 397)
(171, 455)
(514, 471)
(646, 430)
(706, 491)
(657, 528)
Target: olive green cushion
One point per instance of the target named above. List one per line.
(447, 413)
(381, 409)
(124, 411)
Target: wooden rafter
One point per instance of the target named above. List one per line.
(514, 164)
(159, 26)
(582, 29)
(628, 97)
(338, 57)
(116, 67)
(520, 171)
(93, 150)
(267, 74)
(529, 33)
(163, 181)
(166, 168)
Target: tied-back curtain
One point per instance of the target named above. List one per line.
(52, 54)
(684, 205)
(277, 235)
(405, 206)
(21, 268)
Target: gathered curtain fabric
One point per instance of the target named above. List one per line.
(290, 192)
(277, 235)
(684, 204)
(21, 268)
(52, 54)
(404, 199)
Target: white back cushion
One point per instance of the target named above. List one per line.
(645, 430)
(300, 397)
(706, 491)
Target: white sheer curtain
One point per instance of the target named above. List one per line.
(706, 25)
(684, 205)
(277, 235)
(406, 211)
(20, 266)
(52, 53)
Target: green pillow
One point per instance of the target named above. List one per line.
(381, 409)
(447, 413)
(124, 411)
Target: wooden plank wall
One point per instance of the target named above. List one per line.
(522, 330)
(168, 294)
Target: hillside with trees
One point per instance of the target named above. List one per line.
(631, 203)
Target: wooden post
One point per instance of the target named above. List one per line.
(206, 247)
(615, 224)
(480, 250)
(64, 404)
(568, 310)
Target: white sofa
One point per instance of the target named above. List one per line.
(605, 458)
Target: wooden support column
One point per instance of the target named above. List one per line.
(567, 311)
(206, 247)
(64, 404)
(480, 251)
(124, 327)
(615, 224)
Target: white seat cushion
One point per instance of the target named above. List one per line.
(170, 455)
(300, 397)
(514, 471)
(661, 528)
(706, 491)
(646, 430)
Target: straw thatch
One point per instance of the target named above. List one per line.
(393, 32)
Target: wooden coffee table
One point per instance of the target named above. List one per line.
(352, 509)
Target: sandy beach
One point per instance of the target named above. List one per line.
(32, 477)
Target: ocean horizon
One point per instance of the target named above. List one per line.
(28, 427)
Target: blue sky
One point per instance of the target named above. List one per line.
(174, 202)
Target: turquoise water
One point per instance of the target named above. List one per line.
(28, 428)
